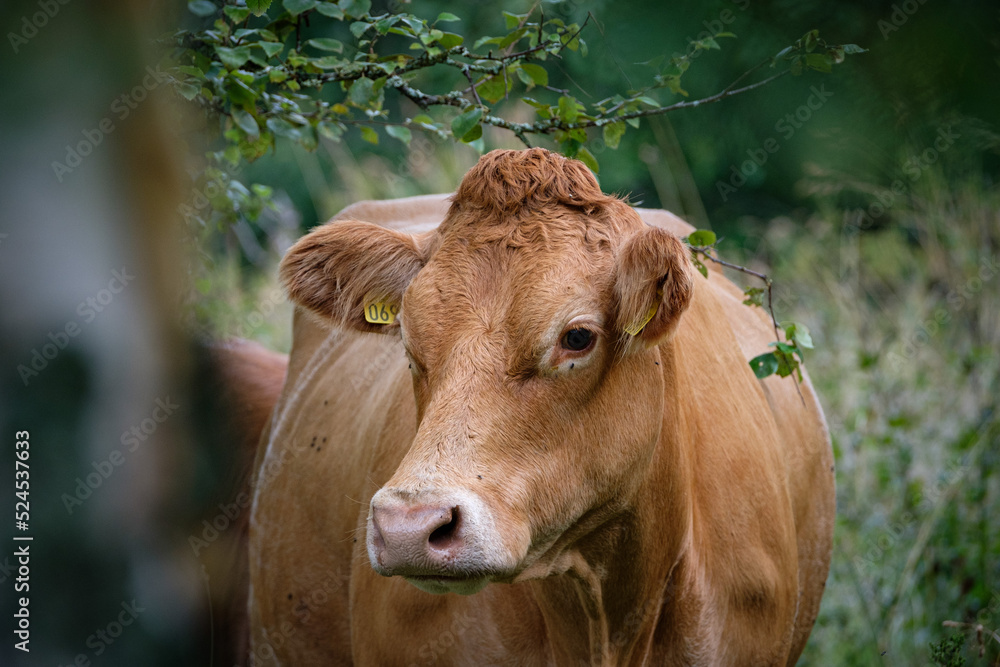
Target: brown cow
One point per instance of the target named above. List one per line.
(560, 425)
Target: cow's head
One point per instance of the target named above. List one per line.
(531, 318)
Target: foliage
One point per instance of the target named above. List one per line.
(786, 357)
(948, 651)
(254, 68)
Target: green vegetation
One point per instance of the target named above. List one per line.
(868, 197)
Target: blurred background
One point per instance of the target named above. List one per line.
(870, 195)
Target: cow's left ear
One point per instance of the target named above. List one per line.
(653, 285)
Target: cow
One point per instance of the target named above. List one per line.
(519, 429)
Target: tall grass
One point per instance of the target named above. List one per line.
(905, 312)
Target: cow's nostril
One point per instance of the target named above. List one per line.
(443, 536)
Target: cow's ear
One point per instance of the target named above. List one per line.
(353, 273)
(653, 285)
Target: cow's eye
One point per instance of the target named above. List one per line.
(577, 339)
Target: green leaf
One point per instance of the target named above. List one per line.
(820, 62)
(852, 49)
(326, 44)
(296, 7)
(698, 264)
(233, 57)
(482, 41)
(358, 28)
(237, 14)
(513, 37)
(330, 9)
(270, 48)
(537, 73)
(701, 238)
(450, 40)
(330, 62)
(369, 135)
(473, 135)
(477, 144)
(754, 296)
(811, 39)
(258, 7)
(586, 157)
(568, 109)
(764, 365)
(246, 121)
(283, 128)
(513, 20)
(399, 132)
(202, 8)
(492, 89)
(188, 91)
(612, 134)
(361, 91)
(798, 334)
(445, 17)
(356, 8)
(331, 131)
(465, 124)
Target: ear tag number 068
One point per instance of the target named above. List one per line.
(381, 312)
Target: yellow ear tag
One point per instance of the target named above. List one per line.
(381, 312)
(636, 328)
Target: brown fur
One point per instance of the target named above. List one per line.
(651, 501)
(247, 380)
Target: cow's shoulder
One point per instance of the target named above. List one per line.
(665, 220)
(408, 214)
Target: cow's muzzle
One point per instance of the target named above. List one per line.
(416, 540)
(436, 541)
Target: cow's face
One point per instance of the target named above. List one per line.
(531, 332)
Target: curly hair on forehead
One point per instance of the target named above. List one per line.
(527, 197)
(512, 182)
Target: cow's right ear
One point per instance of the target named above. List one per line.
(353, 273)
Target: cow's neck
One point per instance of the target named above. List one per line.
(619, 581)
